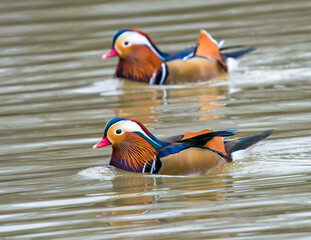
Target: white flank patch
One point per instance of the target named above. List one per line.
(238, 155)
(232, 64)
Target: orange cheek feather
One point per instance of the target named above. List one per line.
(114, 138)
(122, 50)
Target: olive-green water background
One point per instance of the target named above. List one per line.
(56, 94)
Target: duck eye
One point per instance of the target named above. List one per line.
(126, 43)
(118, 131)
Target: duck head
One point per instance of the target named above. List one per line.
(139, 58)
(133, 146)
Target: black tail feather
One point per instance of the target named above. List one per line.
(231, 47)
(243, 143)
(237, 53)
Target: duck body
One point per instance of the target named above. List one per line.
(193, 70)
(135, 149)
(140, 60)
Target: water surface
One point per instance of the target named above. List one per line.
(56, 95)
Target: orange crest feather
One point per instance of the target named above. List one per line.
(207, 46)
(216, 143)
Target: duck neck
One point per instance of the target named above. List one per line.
(133, 154)
(139, 66)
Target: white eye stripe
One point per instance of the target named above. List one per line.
(129, 126)
(138, 39)
(134, 38)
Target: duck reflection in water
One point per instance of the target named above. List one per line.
(152, 103)
(142, 195)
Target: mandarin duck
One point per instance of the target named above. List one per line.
(135, 149)
(140, 60)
